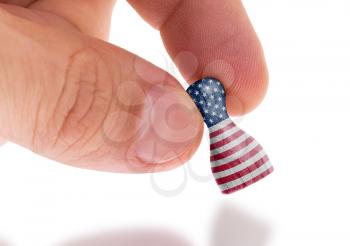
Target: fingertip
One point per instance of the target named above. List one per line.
(222, 44)
(165, 130)
(212, 39)
(249, 89)
(175, 129)
(245, 80)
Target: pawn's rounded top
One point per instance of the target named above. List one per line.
(210, 98)
(208, 81)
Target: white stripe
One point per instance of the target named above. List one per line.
(245, 178)
(230, 145)
(224, 135)
(234, 156)
(220, 125)
(241, 166)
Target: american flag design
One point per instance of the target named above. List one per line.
(237, 159)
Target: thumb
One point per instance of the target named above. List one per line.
(87, 103)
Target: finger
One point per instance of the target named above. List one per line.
(23, 3)
(92, 17)
(87, 103)
(212, 38)
(77, 12)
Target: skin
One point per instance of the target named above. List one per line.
(68, 94)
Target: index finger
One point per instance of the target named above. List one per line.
(212, 38)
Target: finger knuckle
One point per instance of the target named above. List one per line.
(82, 105)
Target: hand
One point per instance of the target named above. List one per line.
(67, 94)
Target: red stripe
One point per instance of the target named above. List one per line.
(243, 172)
(227, 140)
(232, 150)
(222, 130)
(249, 182)
(238, 161)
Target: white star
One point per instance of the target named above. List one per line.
(196, 93)
(206, 111)
(207, 88)
(211, 120)
(212, 97)
(201, 102)
(217, 83)
(204, 94)
(216, 106)
(200, 86)
(209, 103)
(223, 108)
(210, 81)
(190, 91)
(222, 91)
(220, 99)
(221, 116)
(213, 113)
(216, 89)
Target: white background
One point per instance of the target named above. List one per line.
(303, 124)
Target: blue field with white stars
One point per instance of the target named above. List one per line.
(209, 96)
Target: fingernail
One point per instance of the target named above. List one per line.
(174, 126)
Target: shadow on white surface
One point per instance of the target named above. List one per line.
(3, 243)
(132, 237)
(235, 227)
